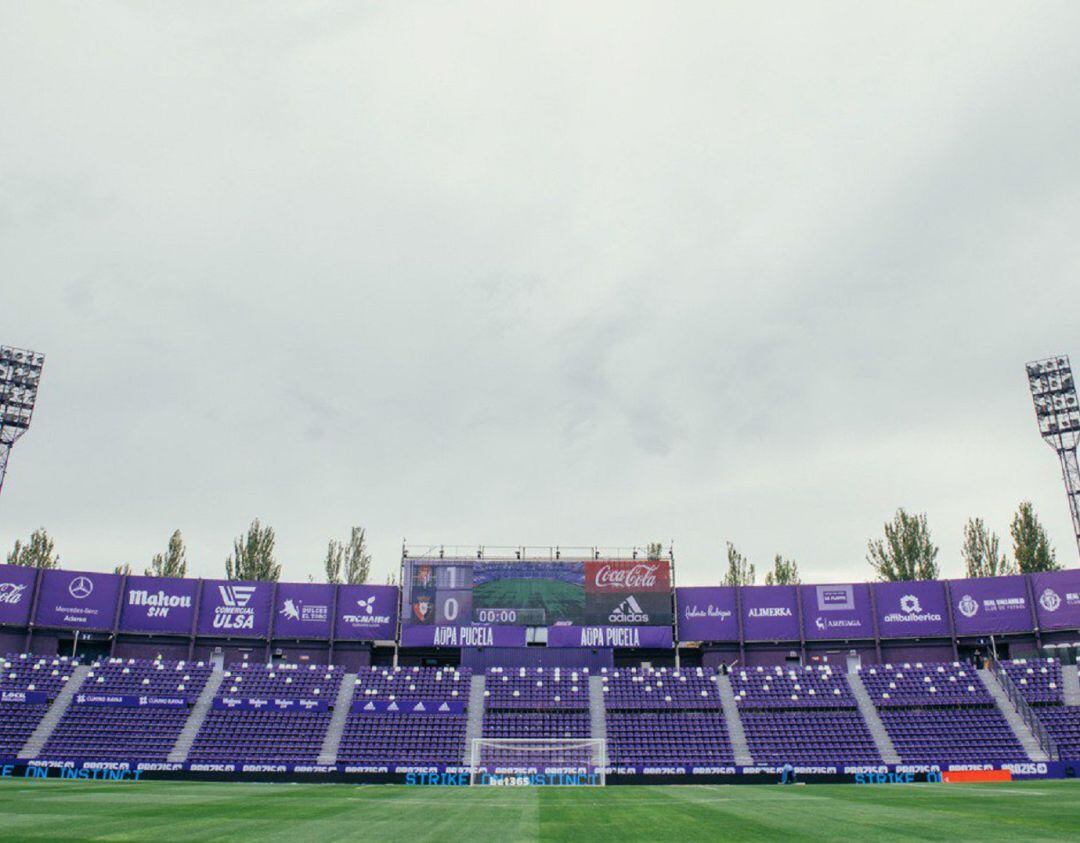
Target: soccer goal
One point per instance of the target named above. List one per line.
(538, 761)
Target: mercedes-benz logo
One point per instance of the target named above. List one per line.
(80, 588)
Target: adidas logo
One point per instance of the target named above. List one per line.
(629, 611)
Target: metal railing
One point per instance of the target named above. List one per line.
(1048, 744)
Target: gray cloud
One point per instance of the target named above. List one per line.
(550, 274)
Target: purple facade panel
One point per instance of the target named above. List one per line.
(77, 600)
(234, 609)
(770, 613)
(911, 609)
(366, 613)
(302, 610)
(917, 653)
(16, 594)
(158, 604)
(707, 614)
(1057, 599)
(611, 636)
(837, 611)
(990, 605)
(476, 635)
(150, 649)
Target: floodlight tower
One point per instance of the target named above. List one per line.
(1053, 390)
(20, 372)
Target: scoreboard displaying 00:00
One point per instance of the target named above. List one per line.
(534, 593)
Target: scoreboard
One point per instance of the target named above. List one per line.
(537, 593)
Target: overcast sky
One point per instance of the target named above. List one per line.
(536, 273)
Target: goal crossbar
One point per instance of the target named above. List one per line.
(538, 761)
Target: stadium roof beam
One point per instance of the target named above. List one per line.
(1053, 391)
(20, 373)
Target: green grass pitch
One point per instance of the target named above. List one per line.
(185, 811)
(561, 600)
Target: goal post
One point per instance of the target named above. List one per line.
(567, 762)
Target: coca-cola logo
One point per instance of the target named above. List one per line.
(11, 592)
(626, 579)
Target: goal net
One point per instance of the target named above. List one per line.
(538, 761)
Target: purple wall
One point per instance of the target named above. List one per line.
(234, 609)
(77, 600)
(917, 653)
(134, 649)
(16, 594)
(707, 614)
(159, 604)
(911, 609)
(537, 657)
(833, 612)
(1057, 599)
(302, 610)
(990, 605)
(770, 613)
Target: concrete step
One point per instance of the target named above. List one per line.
(1023, 732)
(598, 719)
(1071, 683)
(40, 736)
(736, 734)
(474, 728)
(870, 714)
(195, 719)
(329, 751)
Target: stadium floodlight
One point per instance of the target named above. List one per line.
(1053, 390)
(20, 373)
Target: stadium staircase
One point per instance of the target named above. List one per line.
(329, 751)
(38, 738)
(195, 719)
(1070, 684)
(873, 720)
(740, 748)
(474, 728)
(1023, 732)
(597, 716)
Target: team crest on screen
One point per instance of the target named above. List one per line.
(968, 606)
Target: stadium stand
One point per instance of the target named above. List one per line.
(665, 717)
(1040, 683)
(940, 712)
(269, 734)
(135, 732)
(803, 715)
(25, 674)
(536, 703)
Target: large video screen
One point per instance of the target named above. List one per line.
(537, 593)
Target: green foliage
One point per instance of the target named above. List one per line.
(907, 551)
(654, 551)
(39, 552)
(1031, 547)
(123, 570)
(391, 578)
(332, 564)
(357, 559)
(982, 553)
(784, 572)
(739, 571)
(351, 558)
(172, 563)
(253, 556)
